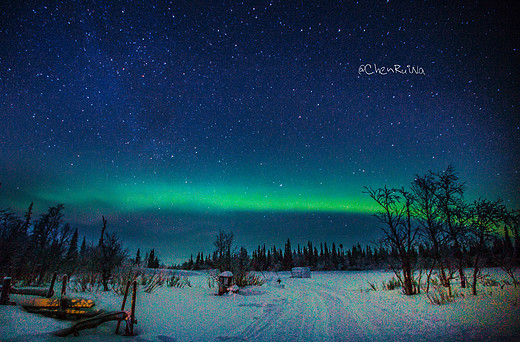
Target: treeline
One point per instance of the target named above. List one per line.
(331, 258)
(321, 257)
(31, 250)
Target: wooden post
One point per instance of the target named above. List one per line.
(132, 310)
(63, 299)
(50, 293)
(4, 298)
(123, 305)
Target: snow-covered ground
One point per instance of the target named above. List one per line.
(331, 306)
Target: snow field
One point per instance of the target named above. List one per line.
(331, 306)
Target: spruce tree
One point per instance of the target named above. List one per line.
(138, 257)
(151, 259)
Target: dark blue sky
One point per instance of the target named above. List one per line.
(177, 119)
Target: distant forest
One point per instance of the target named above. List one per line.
(325, 257)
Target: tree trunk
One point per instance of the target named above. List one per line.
(462, 278)
(407, 278)
(475, 275)
(458, 256)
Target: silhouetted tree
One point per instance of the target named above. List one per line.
(71, 258)
(151, 259)
(138, 257)
(427, 212)
(486, 216)
(49, 241)
(288, 258)
(223, 245)
(398, 230)
(454, 214)
(108, 255)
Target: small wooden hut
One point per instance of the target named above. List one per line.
(301, 272)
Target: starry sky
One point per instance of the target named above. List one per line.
(177, 119)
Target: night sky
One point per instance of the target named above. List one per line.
(177, 119)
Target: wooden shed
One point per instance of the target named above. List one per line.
(301, 272)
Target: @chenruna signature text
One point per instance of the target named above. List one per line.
(371, 69)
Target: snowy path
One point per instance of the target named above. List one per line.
(311, 311)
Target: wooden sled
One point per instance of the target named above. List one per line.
(92, 322)
(88, 323)
(62, 308)
(76, 303)
(67, 314)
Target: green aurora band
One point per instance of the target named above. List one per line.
(164, 196)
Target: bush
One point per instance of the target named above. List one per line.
(178, 281)
(392, 284)
(83, 282)
(249, 279)
(212, 280)
(153, 282)
(373, 286)
(488, 281)
(122, 277)
(439, 296)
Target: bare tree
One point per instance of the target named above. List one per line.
(427, 213)
(223, 244)
(454, 214)
(108, 255)
(486, 216)
(509, 258)
(399, 231)
(49, 241)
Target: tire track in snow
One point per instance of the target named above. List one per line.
(363, 315)
(262, 326)
(344, 326)
(311, 311)
(302, 316)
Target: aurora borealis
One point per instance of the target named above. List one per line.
(175, 119)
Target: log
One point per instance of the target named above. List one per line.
(48, 293)
(92, 322)
(30, 292)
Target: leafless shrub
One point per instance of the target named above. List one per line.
(83, 282)
(122, 277)
(439, 295)
(212, 278)
(249, 279)
(178, 281)
(373, 287)
(490, 282)
(156, 280)
(392, 284)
